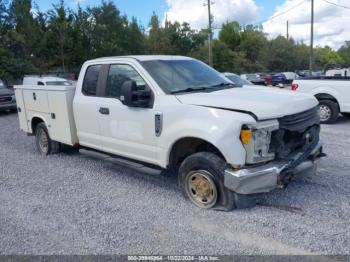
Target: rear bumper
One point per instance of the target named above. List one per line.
(8, 106)
(268, 177)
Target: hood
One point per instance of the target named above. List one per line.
(5, 91)
(264, 103)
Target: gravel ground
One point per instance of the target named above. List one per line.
(73, 204)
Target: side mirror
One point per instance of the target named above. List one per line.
(132, 97)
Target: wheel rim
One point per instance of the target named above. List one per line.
(43, 141)
(201, 189)
(325, 113)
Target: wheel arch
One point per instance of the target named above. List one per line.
(186, 146)
(325, 96)
(35, 121)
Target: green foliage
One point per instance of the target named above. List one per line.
(230, 34)
(173, 38)
(35, 42)
(344, 52)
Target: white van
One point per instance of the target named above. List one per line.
(46, 81)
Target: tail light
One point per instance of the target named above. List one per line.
(294, 87)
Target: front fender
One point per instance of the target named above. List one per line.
(219, 127)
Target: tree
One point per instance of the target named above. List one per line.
(254, 45)
(344, 52)
(59, 34)
(108, 30)
(325, 55)
(301, 57)
(281, 54)
(81, 37)
(158, 42)
(173, 38)
(18, 39)
(224, 59)
(135, 40)
(230, 35)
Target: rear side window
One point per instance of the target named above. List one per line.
(90, 80)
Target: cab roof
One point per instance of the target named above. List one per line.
(143, 58)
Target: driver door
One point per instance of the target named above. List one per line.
(126, 131)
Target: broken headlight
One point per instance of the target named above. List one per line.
(258, 147)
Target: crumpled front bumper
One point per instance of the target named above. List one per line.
(263, 179)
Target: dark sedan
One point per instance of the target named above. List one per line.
(280, 80)
(237, 80)
(255, 79)
(7, 98)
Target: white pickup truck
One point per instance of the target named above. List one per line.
(333, 95)
(171, 112)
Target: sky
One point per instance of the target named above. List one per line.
(332, 17)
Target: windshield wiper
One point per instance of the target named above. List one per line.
(190, 89)
(222, 85)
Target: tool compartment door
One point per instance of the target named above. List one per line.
(62, 126)
(36, 100)
(22, 114)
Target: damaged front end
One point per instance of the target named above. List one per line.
(279, 150)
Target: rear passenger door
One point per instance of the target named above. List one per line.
(86, 108)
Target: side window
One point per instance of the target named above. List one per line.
(117, 75)
(40, 83)
(90, 80)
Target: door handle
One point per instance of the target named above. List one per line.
(104, 110)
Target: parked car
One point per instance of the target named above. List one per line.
(7, 98)
(333, 95)
(280, 80)
(306, 73)
(46, 81)
(237, 80)
(254, 78)
(341, 72)
(171, 112)
(266, 77)
(290, 76)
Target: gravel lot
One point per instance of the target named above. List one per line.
(73, 204)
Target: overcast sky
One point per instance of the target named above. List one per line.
(332, 23)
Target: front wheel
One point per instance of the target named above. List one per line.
(329, 111)
(201, 179)
(44, 144)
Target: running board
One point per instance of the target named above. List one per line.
(135, 165)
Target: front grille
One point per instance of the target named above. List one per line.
(296, 133)
(301, 121)
(5, 99)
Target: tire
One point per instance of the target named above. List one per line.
(44, 144)
(201, 178)
(346, 114)
(329, 111)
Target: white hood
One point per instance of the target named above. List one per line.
(263, 102)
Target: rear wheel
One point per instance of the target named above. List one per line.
(201, 179)
(44, 144)
(329, 111)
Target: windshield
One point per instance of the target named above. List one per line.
(58, 83)
(188, 75)
(238, 81)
